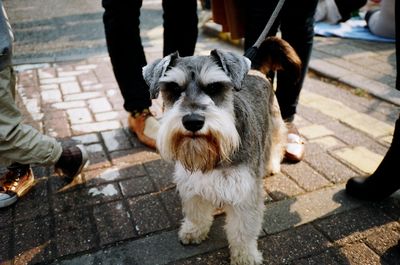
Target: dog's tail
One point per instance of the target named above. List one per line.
(276, 54)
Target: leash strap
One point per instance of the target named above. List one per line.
(269, 24)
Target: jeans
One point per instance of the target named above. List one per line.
(296, 24)
(121, 24)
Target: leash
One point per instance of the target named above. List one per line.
(252, 52)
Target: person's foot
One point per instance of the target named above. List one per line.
(145, 126)
(16, 183)
(71, 162)
(295, 144)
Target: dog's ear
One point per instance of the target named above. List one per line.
(154, 71)
(235, 66)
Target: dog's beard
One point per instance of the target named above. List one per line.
(196, 152)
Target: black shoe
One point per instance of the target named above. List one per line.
(386, 178)
(72, 161)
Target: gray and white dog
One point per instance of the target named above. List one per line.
(222, 128)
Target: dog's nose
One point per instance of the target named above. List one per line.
(193, 122)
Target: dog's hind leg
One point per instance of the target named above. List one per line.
(243, 226)
(197, 220)
(279, 133)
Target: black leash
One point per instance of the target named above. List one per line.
(252, 52)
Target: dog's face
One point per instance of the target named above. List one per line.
(198, 126)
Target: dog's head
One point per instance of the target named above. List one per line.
(198, 126)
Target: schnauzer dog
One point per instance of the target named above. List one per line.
(223, 129)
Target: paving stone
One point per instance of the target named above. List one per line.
(327, 143)
(74, 232)
(302, 209)
(160, 248)
(69, 105)
(354, 119)
(350, 226)
(100, 176)
(5, 247)
(385, 242)
(280, 187)
(82, 96)
(97, 156)
(6, 216)
(133, 157)
(220, 257)
(390, 206)
(95, 127)
(173, 204)
(324, 258)
(90, 138)
(105, 116)
(148, 213)
(161, 172)
(305, 176)
(289, 245)
(355, 138)
(113, 222)
(81, 197)
(37, 198)
(360, 158)
(70, 88)
(116, 140)
(359, 254)
(33, 242)
(51, 96)
(315, 131)
(79, 115)
(136, 186)
(99, 105)
(330, 168)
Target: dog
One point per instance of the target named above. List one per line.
(223, 129)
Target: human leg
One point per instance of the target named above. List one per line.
(385, 180)
(121, 25)
(180, 28)
(22, 145)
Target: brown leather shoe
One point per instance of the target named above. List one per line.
(145, 126)
(295, 144)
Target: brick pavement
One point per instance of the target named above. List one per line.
(124, 209)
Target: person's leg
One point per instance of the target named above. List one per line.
(297, 28)
(180, 26)
(385, 180)
(257, 14)
(22, 145)
(122, 32)
(19, 142)
(121, 24)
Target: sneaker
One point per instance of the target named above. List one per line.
(15, 184)
(145, 126)
(71, 162)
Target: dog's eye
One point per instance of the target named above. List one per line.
(173, 87)
(213, 88)
(171, 91)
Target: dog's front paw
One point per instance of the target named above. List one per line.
(246, 257)
(191, 234)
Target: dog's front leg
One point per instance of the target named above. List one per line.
(197, 220)
(243, 225)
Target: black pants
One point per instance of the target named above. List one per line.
(296, 23)
(121, 25)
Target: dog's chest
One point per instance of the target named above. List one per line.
(222, 186)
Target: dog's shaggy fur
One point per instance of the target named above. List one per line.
(222, 128)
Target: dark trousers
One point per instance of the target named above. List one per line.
(296, 23)
(121, 25)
